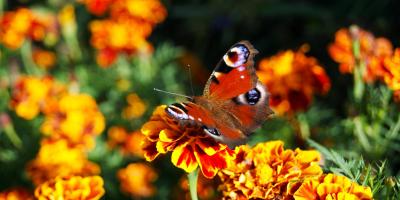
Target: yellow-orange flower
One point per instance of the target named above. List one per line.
(77, 119)
(331, 186)
(44, 59)
(127, 29)
(267, 171)
(149, 11)
(136, 107)
(372, 51)
(129, 143)
(32, 95)
(17, 193)
(136, 180)
(69, 188)
(190, 146)
(391, 71)
(23, 23)
(57, 158)
(292, 79)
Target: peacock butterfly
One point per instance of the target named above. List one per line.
(234, 102)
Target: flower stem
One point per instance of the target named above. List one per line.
(193, 184)
(359, 68)
(8, 127)
(26, 53)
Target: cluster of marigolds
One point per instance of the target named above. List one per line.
(72, 120)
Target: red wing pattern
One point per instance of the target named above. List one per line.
(235, 73)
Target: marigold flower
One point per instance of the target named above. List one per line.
(136, 180)
(267, 171)
(127, 29)
(32, 95)
(17, 193)
(150, 11)
(77, 119)
(97, 7)
(23, 23)
(44, 59)
(136, 107)
(292, 79)
(372, 51)
(190, 146)
(331, 186)
(129, 143)
(74, 187)
(391, 73)
(57, 158)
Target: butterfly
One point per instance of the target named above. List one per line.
(234, 102)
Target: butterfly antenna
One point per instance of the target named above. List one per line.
(190, 79)
(172, 93)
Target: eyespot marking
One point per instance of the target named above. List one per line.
(253, 96)
(177, 111)
(236, 56)
(211, 131)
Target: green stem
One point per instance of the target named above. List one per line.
(193, 184)
(359, 67)
(303, 125)
(26, 53)
(12, 135)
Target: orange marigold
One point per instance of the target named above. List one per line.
(331, 186)
(77, 119)
(17, 193)
(44, 59)
(129, 143)
(57, 158)
(267, 171)
(136, 107)
(292, 79)
(32, 95)
(23, 23)
(74, 187)
(391, 73)
(136, 180)
(372, 51)
(190, 146)
(127, 29)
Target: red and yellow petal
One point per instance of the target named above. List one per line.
(184, 158)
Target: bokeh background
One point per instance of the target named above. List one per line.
(114, 53)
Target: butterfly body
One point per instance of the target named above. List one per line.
(234, 103)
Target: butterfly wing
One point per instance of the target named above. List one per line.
(234, 102)
(235, 73)
(192, 114)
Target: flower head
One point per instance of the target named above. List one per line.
(32, 95)
(129, 143)
(136, 107)
(57, 158)
(136, 180)
(190, 146)
(292, 79)
(77, 119)
(331, 186)
(126, 30)
(21, 24)
(17, 193)
(43, 58)
(391, 70)
(372, 51)
(71, 187)
(267, 171)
